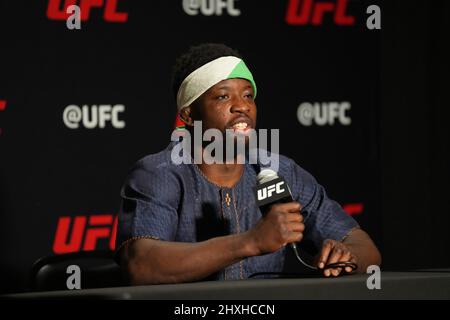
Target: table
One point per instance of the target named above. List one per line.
(433, 284)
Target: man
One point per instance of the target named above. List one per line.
(187, 222)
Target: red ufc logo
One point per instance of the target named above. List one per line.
(2, 107)
(304, 12)
(71, 239)
(353, 208)
(56, 12)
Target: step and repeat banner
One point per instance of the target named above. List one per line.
(82, 100)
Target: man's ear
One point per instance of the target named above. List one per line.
(185, 115)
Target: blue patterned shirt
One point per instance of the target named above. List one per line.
(172, 202)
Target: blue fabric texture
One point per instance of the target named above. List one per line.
(177, 203)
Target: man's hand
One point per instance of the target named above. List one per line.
(332, 252)
(283, 224)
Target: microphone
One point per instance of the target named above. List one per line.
(272, 189)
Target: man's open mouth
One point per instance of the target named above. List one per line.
(241, 126)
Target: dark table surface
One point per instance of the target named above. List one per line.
(432, 284)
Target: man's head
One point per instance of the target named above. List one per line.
(211, 83)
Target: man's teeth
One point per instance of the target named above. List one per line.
(240, 126)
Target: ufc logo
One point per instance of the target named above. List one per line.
(269, 190)
(324, 113)
(82, 233)
(210, 7)
(304, 12)
(94, 116)
(2, 107)
(57, 12)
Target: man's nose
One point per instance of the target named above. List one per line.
(239, 105)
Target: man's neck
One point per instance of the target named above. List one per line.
(226, 175)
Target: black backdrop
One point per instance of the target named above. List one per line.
(53, 176)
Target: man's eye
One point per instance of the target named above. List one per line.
(222, 97)
(249, 96)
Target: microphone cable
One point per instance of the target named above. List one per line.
(342, 264)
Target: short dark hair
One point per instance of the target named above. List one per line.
(196, 57)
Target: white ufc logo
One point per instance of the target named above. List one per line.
(94, 116)
(210, 7)
(324, 113)
(268, 191)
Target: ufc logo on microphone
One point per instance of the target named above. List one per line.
(56, 11)
(269, 190)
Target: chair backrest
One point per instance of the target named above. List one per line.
(98, 269)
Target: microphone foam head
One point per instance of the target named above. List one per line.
(266, 175)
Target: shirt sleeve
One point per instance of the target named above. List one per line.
(150, 198)
(324, 217)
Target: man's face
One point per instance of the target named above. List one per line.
(229, 104)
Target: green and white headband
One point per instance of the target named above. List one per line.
(208, 75)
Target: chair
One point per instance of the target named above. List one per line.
(98, 270)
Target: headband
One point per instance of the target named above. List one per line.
(208, 75)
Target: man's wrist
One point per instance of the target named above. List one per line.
(248, 244)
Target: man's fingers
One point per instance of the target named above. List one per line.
(337, 254)
(293, 206)
(334, 257)
(295, 237)
(331, 253)
(345, 257)
(296, 227)
(353, 260)
(294, 217)
(326, 249)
